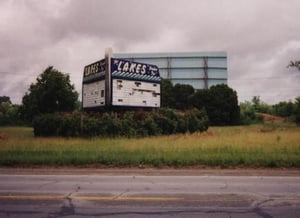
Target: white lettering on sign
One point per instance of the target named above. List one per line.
(91, 69)
(124, 66)
(133, 67)
(94, 68)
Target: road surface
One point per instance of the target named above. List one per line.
(148, 196)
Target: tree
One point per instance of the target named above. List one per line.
(200, 99)
(9, 113)
(220, 103)
(284, 109)
(261, 106)
(51, 93)
(223, 108)
(297, 110)
(247, 113)
(256, 102)
(182, 93)
(294, 64)
(5, 99)
(167, 97)
(175, 96)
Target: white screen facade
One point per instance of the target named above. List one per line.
(135, 93)
(93, 94)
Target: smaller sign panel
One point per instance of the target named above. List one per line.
(93, 94)
(134, 70)
(94, 70)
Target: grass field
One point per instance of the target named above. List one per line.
(272, 145)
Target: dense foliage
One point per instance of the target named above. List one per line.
(297, 110)
(250, 111)
(295, 64)
(9, 113)
(248, 114)
(219, 101)
(51, 93)
(113, 124)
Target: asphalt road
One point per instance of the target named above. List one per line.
(149, 196)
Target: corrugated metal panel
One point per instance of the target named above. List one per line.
(187, 73)
(217, 62)
(217, 73)
(191, 62)
(163, 73)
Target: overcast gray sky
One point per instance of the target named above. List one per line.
(259, 36)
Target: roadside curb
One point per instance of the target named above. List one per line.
(151, 171)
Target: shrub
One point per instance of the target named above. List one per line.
(248, 114)
(165, 119)
(70, 125)
(92, 127)
(126, 124)
(47, 125)
(197, 121)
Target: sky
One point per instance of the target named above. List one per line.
(260, 37)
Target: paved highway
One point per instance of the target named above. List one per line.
(149, 196)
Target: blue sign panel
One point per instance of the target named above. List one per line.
(134, 70)
(94, 70)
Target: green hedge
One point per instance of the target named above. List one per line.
(163, 121)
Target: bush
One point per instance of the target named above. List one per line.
(47, 125)
(197, 121)
(70, 125)
(57, 125)
(248, 114)
(165, 119)
(220, 103)
(92, 127)
(126, 124)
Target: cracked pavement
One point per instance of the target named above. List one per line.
(149, 196)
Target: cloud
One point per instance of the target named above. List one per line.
(260, 37)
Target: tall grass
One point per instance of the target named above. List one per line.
(255, 146)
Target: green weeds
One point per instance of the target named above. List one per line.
(219, 146)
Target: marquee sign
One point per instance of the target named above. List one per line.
(129, 69)
(119, 82)
(94, 70)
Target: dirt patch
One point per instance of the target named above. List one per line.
(272, 118)
(3, 136)
(196, 135)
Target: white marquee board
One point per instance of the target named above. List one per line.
(135, 84)
(135, 93)
(93, 94)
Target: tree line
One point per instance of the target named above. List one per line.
(251, 110)
(219, 101)
(53, 93)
